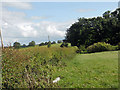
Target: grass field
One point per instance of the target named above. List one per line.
(95, 70)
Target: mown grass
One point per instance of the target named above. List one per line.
(42, 65)
(95, 70)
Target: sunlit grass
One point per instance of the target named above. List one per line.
(96, 70)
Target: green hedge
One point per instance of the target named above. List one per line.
(100, 46)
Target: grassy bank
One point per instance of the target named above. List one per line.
(33, 66)
(37, 67)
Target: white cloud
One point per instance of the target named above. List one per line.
(27, 30)
(17, 28)
(52, 30)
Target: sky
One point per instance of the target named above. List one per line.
(27, 21)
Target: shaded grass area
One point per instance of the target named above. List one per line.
(95, 70)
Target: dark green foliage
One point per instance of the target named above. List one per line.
(81, 49)
(106, 15)
(32, 43)
(59, 41)
(23, 46)
(41, 44)
(93, 30)
(64, 44)
(16, 45)
(100, 46)
(53, 42)
(49, 44)
(46, 43)
(119, 45)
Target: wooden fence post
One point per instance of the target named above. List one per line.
(1, 40)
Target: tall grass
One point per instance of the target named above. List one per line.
(32, 67)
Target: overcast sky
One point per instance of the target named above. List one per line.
(27, 21)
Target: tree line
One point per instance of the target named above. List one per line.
(93, 30)
(32, 43)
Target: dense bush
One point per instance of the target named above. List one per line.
(64, 44)
(100, 46)
(16, 45)
(59, 41)
(81, 49)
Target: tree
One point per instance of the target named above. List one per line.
(49, 44)
(106, 14)
(41, 44)
(16, 45)
(32, 43)
(93, 30)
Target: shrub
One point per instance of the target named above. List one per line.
(64, 45)
(115, 47)
(100, 46)
(59, 41)
(81, 49)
